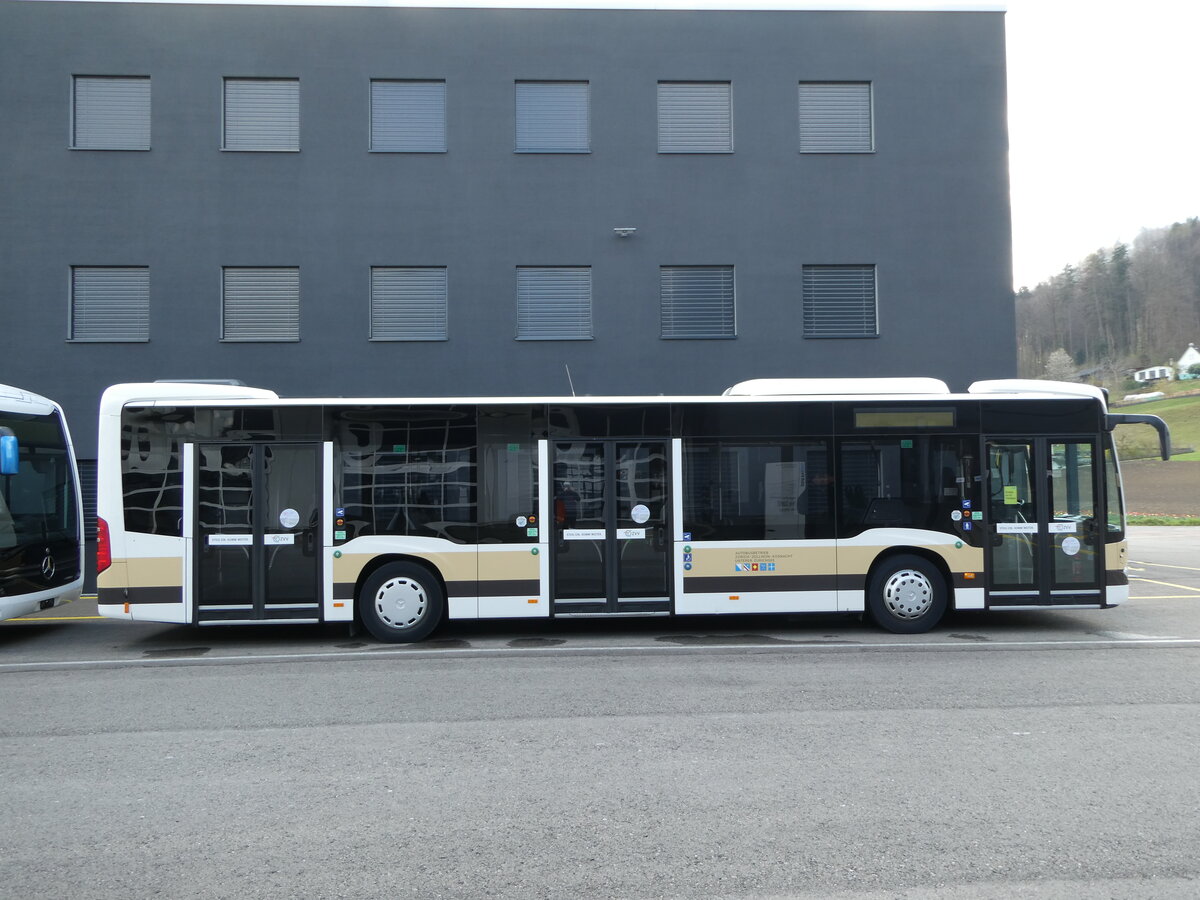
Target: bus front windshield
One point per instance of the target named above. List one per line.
(37, 504)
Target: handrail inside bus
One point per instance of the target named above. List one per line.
(1112, 420)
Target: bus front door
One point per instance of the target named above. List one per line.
(611, 527)
(1045, 542)
(257, 536)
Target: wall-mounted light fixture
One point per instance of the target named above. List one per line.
(624, 231)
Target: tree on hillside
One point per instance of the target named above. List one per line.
(1120, 308)
(1060, 366)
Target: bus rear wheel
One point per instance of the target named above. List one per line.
(401, 603)
(906, 595)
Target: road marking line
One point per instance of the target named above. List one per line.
(34, 619)
(1182, 587)
(1102, 643)
(1165, 566)
(1163, 597)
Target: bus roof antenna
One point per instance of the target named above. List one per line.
(569, 381)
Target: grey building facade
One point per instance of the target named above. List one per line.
(413, 201)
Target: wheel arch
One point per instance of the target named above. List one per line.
(385, 559)
(937, 560)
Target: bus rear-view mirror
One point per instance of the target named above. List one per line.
(10, 454)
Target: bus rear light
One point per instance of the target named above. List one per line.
(103, 546)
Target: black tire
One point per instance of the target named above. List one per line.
(906, 595)
(401, 603)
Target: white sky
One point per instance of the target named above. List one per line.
(1104, 125)
(1103, 109)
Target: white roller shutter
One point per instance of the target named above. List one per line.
(840, 301)
(111, 113)
(554, 304)
(835, 117)
(262, 114)
(261, 304)
(408, 304)
(697, 301)
(552, 117)
(408, 116)
(695, 117)
(110, 303)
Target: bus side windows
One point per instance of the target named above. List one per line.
(918, 482)
(764, 490)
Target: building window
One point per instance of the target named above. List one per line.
(840, 302)
(697, 301)
(262, 114)
(110, 113)
(554, 303)
(408, 304)
(695, 117)
(260, 304)
(110, 304)
(835, 117)
(552, 117)
(408, 116)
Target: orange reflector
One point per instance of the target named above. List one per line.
(338, 604)
(126, 607)
(533, 600)
(734, 597)
(969, 576)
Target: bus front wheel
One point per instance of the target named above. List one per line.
(401, 603)
(906, 595)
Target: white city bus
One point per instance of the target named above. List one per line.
(41, 526)
(891, 497)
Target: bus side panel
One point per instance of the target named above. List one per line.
(755, 577)
(111, 593)
(333, 608)
(1116, 582)
(147, 585)
(514, 581)
(856, 555)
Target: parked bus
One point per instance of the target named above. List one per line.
(891, 497)
(41, 526)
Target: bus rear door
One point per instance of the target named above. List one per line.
(257, 519)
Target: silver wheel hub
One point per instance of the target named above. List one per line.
(907, 594)
(401, 603)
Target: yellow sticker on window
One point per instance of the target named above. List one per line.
(1010, 495)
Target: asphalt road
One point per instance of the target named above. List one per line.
(1040, 754)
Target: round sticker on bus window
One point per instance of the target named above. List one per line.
(289, 518)
(640, 514)
(1070, 545)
